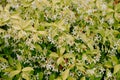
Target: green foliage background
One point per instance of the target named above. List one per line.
(59, 40)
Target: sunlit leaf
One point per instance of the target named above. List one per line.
(81, 68)
(68, 55)
(60, 60)
(71, 78)
(42, 33)
(13, 73)
(83, 78)
(108, 64)
(62, 50)
(18, 65)
(27, 69)
(117, 16)
(65, 74)
(25, 76)
(9, 69)
(116, 68)
(54, 55)
(11, 61)
(114, 60)
(3, 60)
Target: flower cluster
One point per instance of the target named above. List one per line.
(60, 39)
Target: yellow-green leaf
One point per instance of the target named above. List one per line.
(65, 74)
(13, 73)
(18, 65)
(116, 68)
(53, 54)
(27, 69)
(3, 60)
(41, 75)
(114, 60)
(58, 78)
(68, 55)
(117, 16)
(9, 69)
(71, 78)
(83, 78)
(42, 33)
(81, 68)
(62, 50)
(60, 60)
(108, 64)
(25, 76)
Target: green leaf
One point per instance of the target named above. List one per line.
(18, 65)
(27, 69)
(117, 6)
(58, 78)
(25, 76)
(83, 78)
(108, 64)
(109, 10)
(42, 33)
(9, 69)
(81, 68)
(117, 16)
(1, 30)
(60, 60)
(10, 60)
(15, 16)
(26, 25)
(38, 47)
(116, 68)
(102, 32)
(62, 50)
(65, 74)
(52, 77)
(68, 55)
(41, 76)
(3, 60)
(114, 60)
(84, 37)
(13, 73)
(98, 4)
(71, 78)
(54, 55)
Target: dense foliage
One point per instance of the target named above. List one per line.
(59, 40)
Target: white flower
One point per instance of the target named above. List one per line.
(84, 57)
(6, 42)
(7, 36)
(19, 57)
(40, 0)
(109, 74)
(89, 11)
(111, 21)
(33, 5)
(91, 71)
(43, 59)
(104, 7)
(102, 20)
(49, 67)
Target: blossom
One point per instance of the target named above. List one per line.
(91, 71)
(19, 57)
(103, 6)
(89, 11)
(111, 21)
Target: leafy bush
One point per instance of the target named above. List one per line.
(60, 39)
